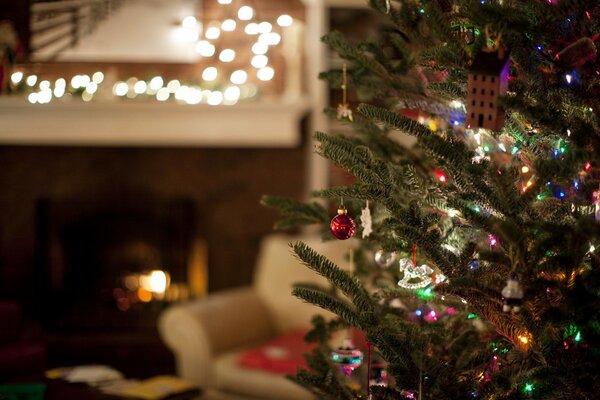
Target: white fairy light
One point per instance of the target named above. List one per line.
(260, 48)
(173, 85)
(227, 55)
(205, 48)
(31, 80)
(32, 98)
(215, 98)
(232, 94)
(209, 74)
(284, 20)
(224, 1)
(251, 29)
(59, 91)
(189, 22)
(16, 77)
(264, 27)
(239, 77)
(265, 74)
(156, 83)
(194, 96)
(259, 61)
(181, 93)
(45, 96)
(120, 89)
(245, 13)
(228, 25)
(162, 94)
(271, 38)
(98, 77)
(91, 88)
(212, 32)
(140, 87)
(44, 85)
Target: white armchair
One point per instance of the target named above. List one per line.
(209, 335)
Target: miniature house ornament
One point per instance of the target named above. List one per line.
(488, 79)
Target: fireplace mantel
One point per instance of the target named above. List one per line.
(76, 123)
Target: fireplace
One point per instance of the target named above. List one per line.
(107, 271)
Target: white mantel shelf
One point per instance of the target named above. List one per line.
(150, 124)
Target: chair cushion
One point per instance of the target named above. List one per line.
(281, 355)
(259, 372)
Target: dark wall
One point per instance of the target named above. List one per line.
(224, 184)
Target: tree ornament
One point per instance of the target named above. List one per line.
(342, 226)
(488, 79)
(385, 258)
(596, 195)
(513, 294)
(343, 110)
(577, 53)
(347, 357)
(414, 277)
(378, 374)
(366, 222)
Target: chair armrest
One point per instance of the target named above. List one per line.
(199, 330)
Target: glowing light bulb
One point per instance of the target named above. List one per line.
(16, 78)
(32, 98)
(31, 80)
(44, 85)
(260, 48)
(205, 48)
(158, 281)
(120, 89)
(525, 169)
(271, 38)
(284, 20)
(98, 77)
(140, 87)
(523, 339)
(569, 78)
(224, 1)
(227, 55)
(156, 83)
(238, 77)
(228, 25)
(265, 74)
(212, 33)
(259, 61)
(215, 98)
(181, 92)
(162, 94)
(209, 74)
(189, 22)
(76, 82)
(232, 94)
(264, 27)
(173, 85)
(91, 88)
(245, 13)
(251, 29)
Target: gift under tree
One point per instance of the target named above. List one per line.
(476, 274)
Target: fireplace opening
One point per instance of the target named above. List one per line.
(106, 270)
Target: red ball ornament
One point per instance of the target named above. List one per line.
(342, 225)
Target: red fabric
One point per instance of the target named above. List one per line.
(281, 355)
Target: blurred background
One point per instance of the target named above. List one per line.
(136, 139)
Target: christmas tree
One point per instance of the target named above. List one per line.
(476, 275)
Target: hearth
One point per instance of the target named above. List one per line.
(106, 270)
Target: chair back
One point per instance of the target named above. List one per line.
(278, 269)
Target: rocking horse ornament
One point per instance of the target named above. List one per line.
(414, 277)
